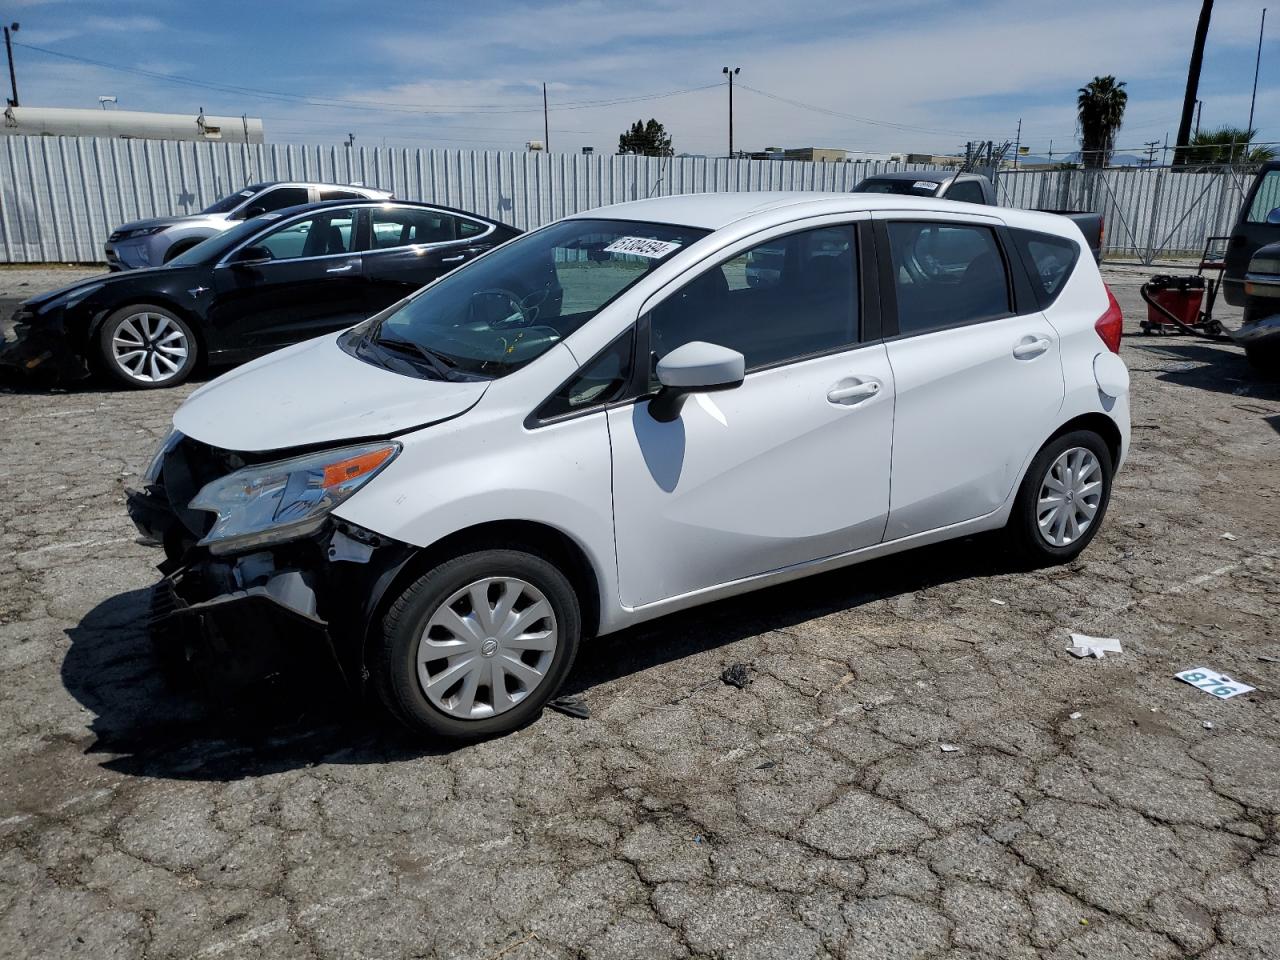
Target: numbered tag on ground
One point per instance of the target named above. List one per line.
(1213, 683)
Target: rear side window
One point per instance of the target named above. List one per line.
(331, 194)
(404, 226)
(1049, 260)
(470, 228)
(946, 275)
(279, 199)
(1266, 199)
(966, 191)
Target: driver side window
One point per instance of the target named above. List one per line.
(318, 236)
(946, 275)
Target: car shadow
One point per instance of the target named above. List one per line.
(146, 727)
(12, 382)
(1209, 367)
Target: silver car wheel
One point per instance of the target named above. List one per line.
(149, 347)
(1070, 495)
(487, 647)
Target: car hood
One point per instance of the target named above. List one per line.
(315, 393)
(102, 279)
(167, 221)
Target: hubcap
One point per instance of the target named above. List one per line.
(487, 647)
(149, 347)
(1070, 495)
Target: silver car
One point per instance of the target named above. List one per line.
(151, 243)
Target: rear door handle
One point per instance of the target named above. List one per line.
(460, 257)
(1030, 349)
(342, 269)
(854, 393)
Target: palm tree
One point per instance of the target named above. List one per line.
(1100, 108)
(1227, 145)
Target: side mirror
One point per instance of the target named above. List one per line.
(1274, 216)
(695, 367)
(252, 255)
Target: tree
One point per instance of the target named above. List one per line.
(647, 139)
(1100, 109)
(1226, 145)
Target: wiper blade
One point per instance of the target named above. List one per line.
(441, 364)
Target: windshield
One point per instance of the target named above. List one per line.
(220, 244)
(512, 305)
(227, 204)
(908, 188)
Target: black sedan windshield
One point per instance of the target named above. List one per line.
(511, 306)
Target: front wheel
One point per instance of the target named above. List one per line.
(477, 645)
(146, 347)
(1063, 499)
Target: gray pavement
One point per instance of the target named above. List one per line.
(813, 813)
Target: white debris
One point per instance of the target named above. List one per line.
(1076, 716)
(1213, 682)
(1229, 536)
(948, 747)
(999, 603)
(1083, 645)
(1207, 724)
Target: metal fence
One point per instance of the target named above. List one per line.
(61, 196)
(1150, 213)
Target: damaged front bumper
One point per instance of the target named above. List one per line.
(31, 344)
(228, 621)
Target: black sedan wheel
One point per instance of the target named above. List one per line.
(146, 347)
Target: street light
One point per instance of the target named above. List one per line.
(8, 48)
(731, 74)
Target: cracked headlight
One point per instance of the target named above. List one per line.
(273, 502)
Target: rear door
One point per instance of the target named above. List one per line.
(411, 246)
(297, 280)
(977, 368)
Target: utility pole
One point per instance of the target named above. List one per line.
(1017, 145)
(1151, 146)
(546, 126)
(1193, 83)
(1256, 65)
(731, 74)
(8, 49)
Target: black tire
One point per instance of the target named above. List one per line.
(393, 657)
(128, 322)
(1264, 358)
(1023, 529)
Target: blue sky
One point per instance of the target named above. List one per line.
(914, 75)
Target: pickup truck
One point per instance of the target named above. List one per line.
(970, 188)
(1251, 270)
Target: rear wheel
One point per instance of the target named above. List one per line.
(146, 347)
(478, 645)
(1063, 498)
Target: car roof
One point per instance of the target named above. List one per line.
(933, 176)
(714, 211)
(317, 183)
(285, 212)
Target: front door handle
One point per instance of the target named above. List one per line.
(1030, 349)
(459, 258)
(854, 393)
(342, 269)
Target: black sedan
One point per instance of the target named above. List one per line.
(274, 280)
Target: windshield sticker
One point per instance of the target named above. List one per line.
(925, 185)
(642, 247)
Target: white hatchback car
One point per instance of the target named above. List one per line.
(609, 419)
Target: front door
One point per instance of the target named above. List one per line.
(791, 466)
(979, 376)
(300, 280)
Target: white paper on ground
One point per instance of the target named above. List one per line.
(1083, 645)
(1213, 682)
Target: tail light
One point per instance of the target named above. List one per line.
(1102, 233)
(1110, 325)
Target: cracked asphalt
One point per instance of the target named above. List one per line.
(1092, 808)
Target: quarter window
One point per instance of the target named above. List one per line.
(599, 382)
(946, 275)
(1049, 259)
(318, 236)
(787, 298)
(470, 228)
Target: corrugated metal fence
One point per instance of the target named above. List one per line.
(61, 196)
(1150, 213)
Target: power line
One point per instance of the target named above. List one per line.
(849, 116)
(360, 104)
